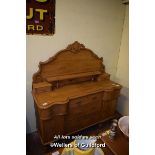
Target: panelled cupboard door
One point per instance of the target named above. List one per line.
(52, 127)
(80, 122)
(108, 108)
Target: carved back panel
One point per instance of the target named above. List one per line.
(75, 59)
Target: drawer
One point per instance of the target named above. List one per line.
(55, 110)
(41, 87)
(85, 105)
(94, 97)
(78, 102)
(78, 106)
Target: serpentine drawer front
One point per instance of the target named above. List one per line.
(85, 105)
(72, 91)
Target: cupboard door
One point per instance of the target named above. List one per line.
(108, 108)
(107, 95)
(111, 95)
(74, 124)
(52, 127)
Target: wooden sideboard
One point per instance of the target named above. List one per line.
(72, 91)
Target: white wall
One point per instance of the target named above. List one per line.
(95, 23)
(122, 74)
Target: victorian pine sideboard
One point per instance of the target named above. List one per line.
(72, 91)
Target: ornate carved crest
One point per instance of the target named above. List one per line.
(76, 46)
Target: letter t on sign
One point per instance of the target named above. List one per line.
(41, 13)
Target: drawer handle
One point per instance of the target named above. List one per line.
(79, 103)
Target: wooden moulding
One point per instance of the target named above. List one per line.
(55, 110)
(41, 87)
(72, 76)
(65, 94)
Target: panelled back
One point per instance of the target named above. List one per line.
(75, 59)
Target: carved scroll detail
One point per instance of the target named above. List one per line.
(76, 46)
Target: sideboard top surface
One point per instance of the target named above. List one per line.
(63, 95)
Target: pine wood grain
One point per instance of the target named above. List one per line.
(72, 91)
